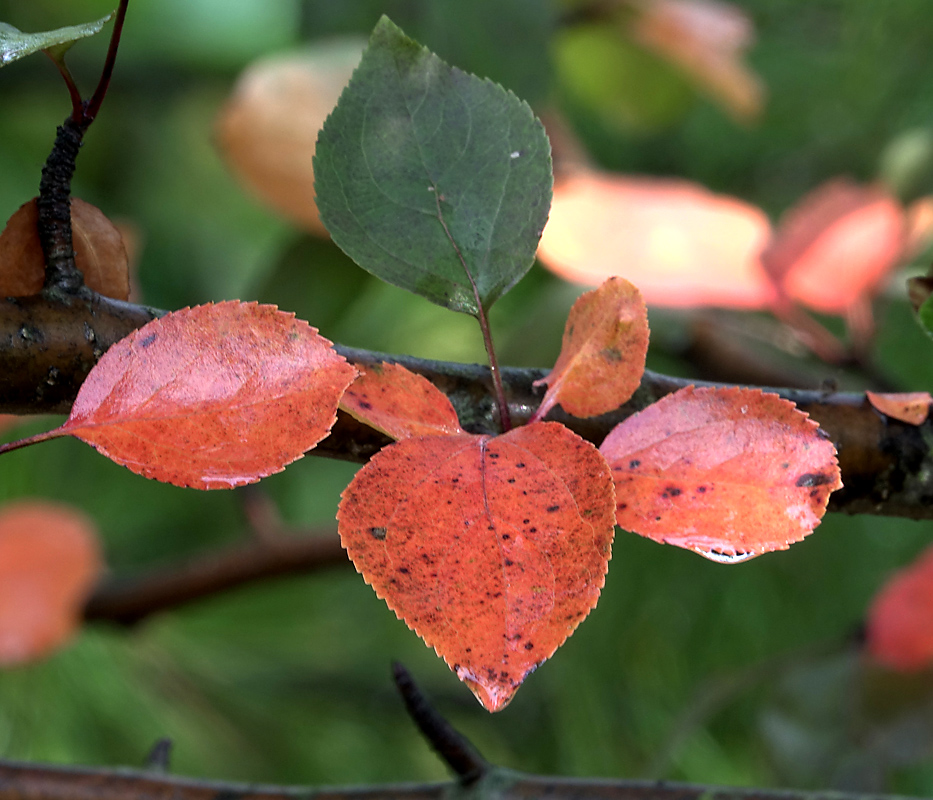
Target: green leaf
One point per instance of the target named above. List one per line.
(14, 44)
(925, 315)
(424, 174)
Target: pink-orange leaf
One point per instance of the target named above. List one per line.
(400, 403)
(49, 561)
(910, 407)
(837, 245)
(602, 354)
(212, 397)
(899, 630)
(492, 549)
(729, 473)
(679, 243)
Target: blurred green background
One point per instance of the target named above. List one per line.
(687, 669)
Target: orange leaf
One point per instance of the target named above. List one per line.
(728, 473)
(400, 403)
(212, 397)
(707, 40)
(602, 354)
(492, 549)
(98, 245)
(680, 244)
(899, 629)
(268, 129)
(837, 245)
(910, 407)
(49, 561)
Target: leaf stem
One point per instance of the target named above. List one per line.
(93, 105)
(9, 447)
(505, 419)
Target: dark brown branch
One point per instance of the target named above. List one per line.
(19, 781)
(47, 347)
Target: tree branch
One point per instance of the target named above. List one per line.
(48, 346)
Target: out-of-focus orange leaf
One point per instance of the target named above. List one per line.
(706, 39)
(268, 129)
(49, 561)
(400, 403)
(211, 397)
(728, 473)
(919, 225)
(910, 407)
(99, 252)
(837, 245)
(492, 549)
(8, 421)
(602, 354)
(899, 629)
(680, 244)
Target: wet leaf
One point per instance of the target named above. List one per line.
(400, 403)
(49, 561)
(707, 40)
(14, 44)
(729, 473)
(910, 407)
(98, 245)
(433, 179)
(602, 354)
(837, 245)
(680, 244)
(899, 630)
(212, 397)
(492, 549)
(268, 128)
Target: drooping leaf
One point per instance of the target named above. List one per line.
(432, 179)
(729, 473)
(99, 252)
(910, 407)
(268, 128)
(680, 244)
(837, 245)
(212, 397)
(49, 560)
(899, 627)
(492, 549)
(14, 44)
(400, 403)
(602, 354)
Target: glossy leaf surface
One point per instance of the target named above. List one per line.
(14, 44)
(910, 407)
(602, 354)
(212, 397)
(899, 626)
(492, 549)
(400, 403)
(425, 174)
(99, 252)
(729, 473)
(49, 561)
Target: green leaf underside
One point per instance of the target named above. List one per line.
(414, 145)
(925, 314)
(14, 44)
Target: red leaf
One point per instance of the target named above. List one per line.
(910, 407)
(837, 245)
(679, 243)
(602, 354)
(400, 403)
(49, 561)
(212, 397)
(492, 549)
(729, 473)
(899, 630)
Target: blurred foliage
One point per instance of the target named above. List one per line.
(289, 681)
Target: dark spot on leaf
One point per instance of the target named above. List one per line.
(492, 454)
(634, 464)
(701, 489)
(529, 646)
(552, 509)
(505, 537)
(622, 506)
(508, 562)
(657, 519)
(532, 530)
(366, 404)
(378, 533)
(813, 479)
(611, 354)
(520, 465)
(403, 570)
(511, 480)
(144, 343)
(785, 465)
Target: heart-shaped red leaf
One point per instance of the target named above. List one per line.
(212, 397)
(49, 561)
(910, 407)
(492, 549)
(400, 403)
(602, 355)
(729, 473)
